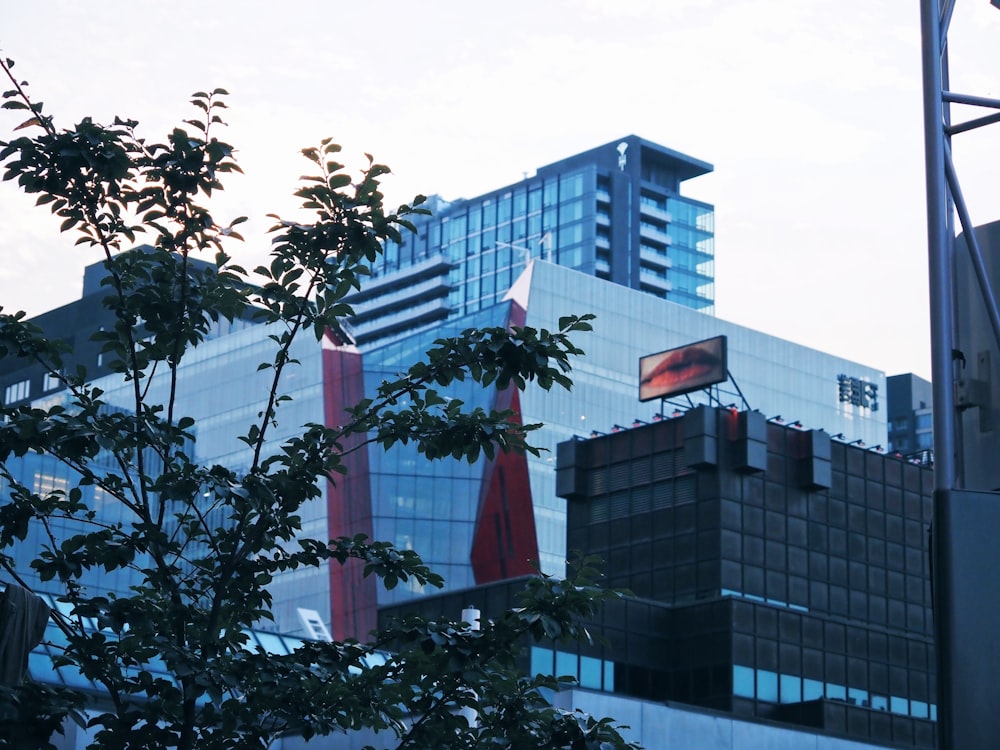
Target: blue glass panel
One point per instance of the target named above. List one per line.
(858, 697)
(271, 642)
(503, 209)
(609, 676)
(55, 636)
(836, 692)
(919, 709)
(551, 192)
(520, 203)
(72, 677)
(812, 690)
(571, 185)
(767, 686)
(899, 705)
(566, 664)
(572, 211)
(541, 660)
(534, 226)
(535, 199)
(40, 667)
(880, 703)
(743, 686)
(590, 672)
(791, 688)
(550, 218)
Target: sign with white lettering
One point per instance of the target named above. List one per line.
(858, 392)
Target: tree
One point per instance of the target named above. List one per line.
(203, 542)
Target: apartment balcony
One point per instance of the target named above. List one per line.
(655, 258)
(654, 282)
(375, 286)
(401, 320)
(653, 212)
(395, 298)
(649, 232)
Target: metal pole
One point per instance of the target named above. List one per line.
(940, 249)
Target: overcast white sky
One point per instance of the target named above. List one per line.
(810, 112)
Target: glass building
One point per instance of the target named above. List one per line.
(221, 387)
(910, 416)
(795, 567)
(466, 526)
(774, 574)
(614, 212)
(473, 523)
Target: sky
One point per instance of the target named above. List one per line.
(809, 111)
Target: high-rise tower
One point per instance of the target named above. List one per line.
(614, 212)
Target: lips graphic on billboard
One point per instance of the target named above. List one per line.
(682, 370)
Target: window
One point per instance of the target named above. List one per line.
(743, 682)
(590, 672)
(791, 688)
(17, 392)
(51, 382)
(503, 209)
(653, 201)
(767, 686)
(571, 185)
(48, 483)
(566, 664)
(812, 690)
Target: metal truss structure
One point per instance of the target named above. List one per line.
(965, 552)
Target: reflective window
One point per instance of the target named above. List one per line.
(836, 692)
(541, 660)
(565, 664)
(812, 690)
(534, 199)
(571, 185)
(767, 686)
(791, 688)
(572, 211)
(858, 697)
(743, 682)
(17, 391)
(590, 672)
(503, 209)
(551, 193)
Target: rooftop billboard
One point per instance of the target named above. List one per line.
(687, 368)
